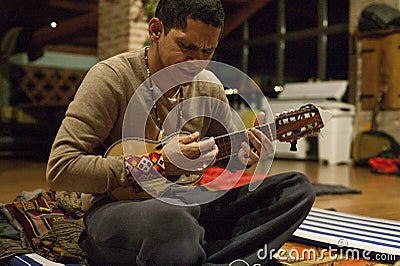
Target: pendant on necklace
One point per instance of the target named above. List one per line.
(160, 135)
(174, 98)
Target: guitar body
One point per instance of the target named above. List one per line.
(155, 186)
(133, 146)
(287, 127)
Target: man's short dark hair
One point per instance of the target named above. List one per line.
(174, 13)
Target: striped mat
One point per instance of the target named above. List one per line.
(35, 260)
(365, 237)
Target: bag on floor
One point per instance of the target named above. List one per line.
(372, 144)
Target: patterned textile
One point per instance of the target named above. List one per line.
(145, 167)
(365, 237)
(37, 217)
(34, 259)
(146, 172)
(70, 203)
(351, 231)
(63, 239)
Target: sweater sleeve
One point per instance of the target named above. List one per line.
(73, 165)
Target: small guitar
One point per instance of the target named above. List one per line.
(287, 127)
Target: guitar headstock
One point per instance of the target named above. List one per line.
(295, 124)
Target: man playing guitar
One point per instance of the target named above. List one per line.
(150, 231)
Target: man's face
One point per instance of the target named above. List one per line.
(197, 42)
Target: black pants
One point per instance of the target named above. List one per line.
(241, 225)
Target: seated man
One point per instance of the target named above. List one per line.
(152, 231)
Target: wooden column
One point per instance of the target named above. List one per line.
(122, 27)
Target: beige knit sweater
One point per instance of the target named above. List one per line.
(95, 118)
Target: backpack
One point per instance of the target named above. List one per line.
(378, 17)
(372, 144)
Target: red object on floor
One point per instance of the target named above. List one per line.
(220, 179)
(384, 165)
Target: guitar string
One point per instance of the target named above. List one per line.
(226, 146)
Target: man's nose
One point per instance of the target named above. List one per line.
(194, 55)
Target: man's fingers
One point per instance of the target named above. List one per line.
(253, 157)
(209, 157)
(250, 155)
(243, 153)
(260, 119)
(186, 139)
(242, 156)
(206, 145)
(254, 139)
(261, 143)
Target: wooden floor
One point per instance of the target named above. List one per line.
(380, 195)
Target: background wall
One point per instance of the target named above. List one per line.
(388, 120)
(122, 26)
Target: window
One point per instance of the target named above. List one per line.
(291, 40)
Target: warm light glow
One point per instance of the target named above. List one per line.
(231, 91)
(278, 88)
(53, 24)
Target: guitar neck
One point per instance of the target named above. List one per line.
(230, 144)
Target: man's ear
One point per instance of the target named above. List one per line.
(155, 28)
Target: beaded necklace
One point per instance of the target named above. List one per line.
(151, 88)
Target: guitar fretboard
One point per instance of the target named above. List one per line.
(230, 144)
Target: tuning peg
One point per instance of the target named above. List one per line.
(293, 145)
(315, 133)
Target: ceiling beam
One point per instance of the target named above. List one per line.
(66, 30)
(73, 5)
(238, 11)
(84, 27)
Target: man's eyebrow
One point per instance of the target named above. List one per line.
(185, 40)
(209, 49)
(188, 42)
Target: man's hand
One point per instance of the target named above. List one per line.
(183, 154)
(262, 144)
